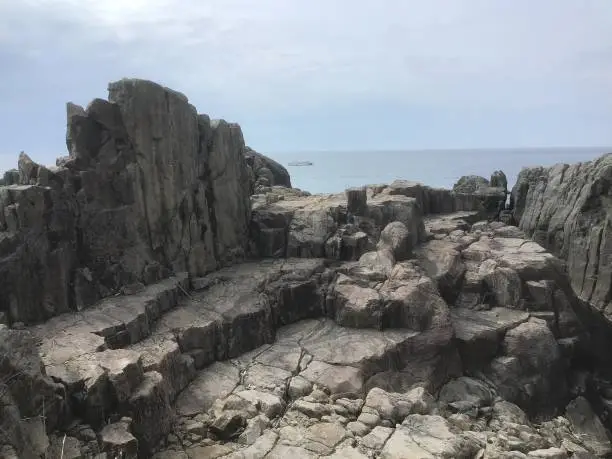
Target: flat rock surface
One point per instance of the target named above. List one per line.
(470, 325)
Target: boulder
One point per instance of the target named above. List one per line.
(396, 237)
(499, 180)
(265, 171)
(588, 427)
(27, 394)
(530, 370)
(470, 184)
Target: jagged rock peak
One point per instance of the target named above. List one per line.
(149, 187)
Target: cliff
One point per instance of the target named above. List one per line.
(568, 210)
(149, 187)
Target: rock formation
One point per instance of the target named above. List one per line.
(568, 210)
(149, 187)
(264, 172)
(390, 321)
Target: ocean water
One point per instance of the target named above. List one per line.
(334, 171)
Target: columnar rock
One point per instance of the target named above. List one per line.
(470, 196)
(357, 201)
(499, 180)
(149, 187)
(11, 177)
(568, 209)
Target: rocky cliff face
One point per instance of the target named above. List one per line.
(568, 209)
(149, 187)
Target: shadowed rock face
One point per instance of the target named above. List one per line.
(149, 187)
(568, 210)
(265, 172)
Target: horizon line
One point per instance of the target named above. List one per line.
(604, 148)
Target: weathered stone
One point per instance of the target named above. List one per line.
(530, 372)
(151, 411)
(467, 390)
(499, 180)
(228, 425)
(470, 184)
(356, 201)
(566, 208)
(117, 440)
(480, 333)
(588, 427)
(504, 284)
(428, 437)
(137, 197)
(263, 166)
(274, 358)
(217, 381)
(397, 239)
(356, 306)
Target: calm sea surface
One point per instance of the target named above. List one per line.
(334, 171)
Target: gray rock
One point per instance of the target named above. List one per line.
(470, 184)
(137, 198)
(427, 436)
(396, 237)
(117, 440)
(588, 427)
(469, 390)
(499, 180)
(357, 201)
(126, 242)
(531, 371)
(262, 165)
(228, 425)
(564, 208)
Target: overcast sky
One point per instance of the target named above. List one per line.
(334, 74)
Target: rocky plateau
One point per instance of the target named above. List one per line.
(165, 293)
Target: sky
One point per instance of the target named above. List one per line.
(320, 75)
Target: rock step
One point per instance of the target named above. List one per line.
(341, 360)
(236, 329)
(113, 323)
(114, 355)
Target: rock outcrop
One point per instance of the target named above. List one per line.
(264, 172)
(150, 187)
(476, 184)
(314, 357)
(568, 210)
(390, 321)
(343, 226)
(470, 184)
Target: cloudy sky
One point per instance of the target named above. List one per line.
(334, 74)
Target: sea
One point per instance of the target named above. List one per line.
(334, 171)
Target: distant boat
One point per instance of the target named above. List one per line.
(300, 163)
